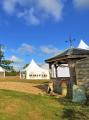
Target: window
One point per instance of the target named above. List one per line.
(45, 75)
(35, 75)
(30, 75)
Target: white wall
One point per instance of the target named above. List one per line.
(2, 74)
(61, 72)
(37, 75)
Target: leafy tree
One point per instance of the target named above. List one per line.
(1, 54)
(25, 66)
(5, 63)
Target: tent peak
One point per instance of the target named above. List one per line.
(83, 45)
(32, 61)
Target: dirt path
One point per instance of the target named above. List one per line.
(22, 87)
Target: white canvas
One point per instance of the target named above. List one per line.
(34, 71)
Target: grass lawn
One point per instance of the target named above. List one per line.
(21, 106)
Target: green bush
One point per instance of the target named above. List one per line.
(13, 73)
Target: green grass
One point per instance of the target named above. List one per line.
(17, 79)
(21, 106)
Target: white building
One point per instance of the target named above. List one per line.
(2, 72)
(34, 71)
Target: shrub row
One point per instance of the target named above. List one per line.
(13, 73)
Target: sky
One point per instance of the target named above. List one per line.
(38, 29)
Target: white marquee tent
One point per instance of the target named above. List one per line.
(2, 72)
(34, 71)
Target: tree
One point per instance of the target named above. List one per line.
(5, 63)
(1, 54)
(25, 66)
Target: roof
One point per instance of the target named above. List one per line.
(69, 53)
(34, 67)
(83, 45)
(1, 69)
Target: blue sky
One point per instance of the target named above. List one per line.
(38, 29)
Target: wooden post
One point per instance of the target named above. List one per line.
(50, 70)
(56, 70)
(72, 81)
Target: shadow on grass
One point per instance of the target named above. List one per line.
(73, 111)
(42, 87)
(72, 114)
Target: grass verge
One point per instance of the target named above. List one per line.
(22, 106)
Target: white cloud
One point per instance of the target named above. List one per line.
(34, 11)
(9, 6)
(18, 62)
(81, 4)
(49, 50)
(51, 7)
(26, 48)
(29, 16)
(16, 59)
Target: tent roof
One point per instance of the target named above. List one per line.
(83, 45)
(1, 69)
(33, 66)
(69, 53)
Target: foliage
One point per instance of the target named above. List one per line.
(12, 73)
(25, 66)
(1, 54)
(5, 63)
(7, 67)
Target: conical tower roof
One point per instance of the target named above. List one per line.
(83, 45)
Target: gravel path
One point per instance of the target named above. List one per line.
(22, 87)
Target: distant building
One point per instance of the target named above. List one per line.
(2, 72)
(34, 71)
